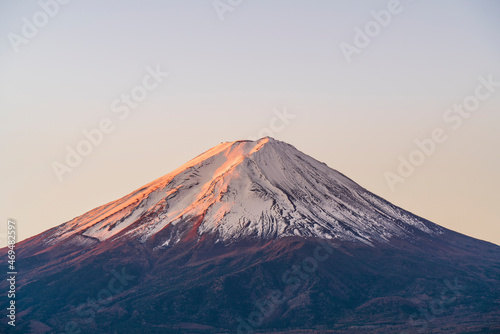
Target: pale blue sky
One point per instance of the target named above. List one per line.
(226, 77)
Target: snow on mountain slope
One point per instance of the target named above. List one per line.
(263, 189)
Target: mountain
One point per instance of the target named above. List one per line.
(255, 237)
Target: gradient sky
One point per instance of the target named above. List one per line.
(226, 80)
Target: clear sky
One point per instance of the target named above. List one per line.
(232, 67)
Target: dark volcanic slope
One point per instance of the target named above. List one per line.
(198, 287)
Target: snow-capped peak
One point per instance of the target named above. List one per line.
(248, 189)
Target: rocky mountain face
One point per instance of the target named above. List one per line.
(255, 237)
